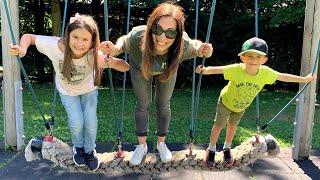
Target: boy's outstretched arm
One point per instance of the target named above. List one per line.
(21, 49)
(209, 70)
(297, 79)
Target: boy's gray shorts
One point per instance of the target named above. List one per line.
(224, 115)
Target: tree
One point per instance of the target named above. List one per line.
(56, 17)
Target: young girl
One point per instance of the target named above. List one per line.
(156, 50)
(78, 66)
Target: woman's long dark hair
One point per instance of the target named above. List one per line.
(88, 23)
(175, 50)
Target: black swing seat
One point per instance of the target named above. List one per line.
(246, 153)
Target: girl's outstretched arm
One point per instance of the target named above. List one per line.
(108, 48)
(25, 41)
(116, 63)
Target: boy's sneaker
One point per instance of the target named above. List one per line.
(138, 154)
(227, 157)
(210, 158)
(164, 152)
(78, 156)
(92, 160)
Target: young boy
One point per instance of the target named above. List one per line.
(246, 80)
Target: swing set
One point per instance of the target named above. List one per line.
(55, 150)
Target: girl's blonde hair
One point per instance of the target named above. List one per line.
(88, 23)
(175, 50)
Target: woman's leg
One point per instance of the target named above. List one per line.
(143, 90)
(163, 95)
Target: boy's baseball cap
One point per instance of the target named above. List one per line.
(256, 45)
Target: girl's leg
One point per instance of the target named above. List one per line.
(75, 118)
(89, 110)
(89, 107)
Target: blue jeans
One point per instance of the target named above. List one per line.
(143, 91)
(82, 118)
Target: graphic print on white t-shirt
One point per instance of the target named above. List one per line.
(78, 73)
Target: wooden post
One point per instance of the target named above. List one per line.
(11, 73)
(318, 89)
(309, 52)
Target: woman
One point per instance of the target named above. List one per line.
(156, 50)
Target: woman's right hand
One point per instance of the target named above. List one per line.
(16, 50)
(108, 48)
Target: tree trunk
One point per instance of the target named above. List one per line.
(56, 18)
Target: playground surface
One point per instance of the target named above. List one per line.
(14, 166)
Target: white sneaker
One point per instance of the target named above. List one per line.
(165, 153)
(138, 154)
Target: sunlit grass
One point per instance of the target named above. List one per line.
(270, 103)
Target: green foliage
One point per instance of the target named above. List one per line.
(282, 12)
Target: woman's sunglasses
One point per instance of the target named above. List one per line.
(170, 33)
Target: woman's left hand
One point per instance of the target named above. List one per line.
(205, 50)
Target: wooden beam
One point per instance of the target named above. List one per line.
(304, 127)
(11, 72)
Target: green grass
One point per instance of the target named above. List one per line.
(270, 103)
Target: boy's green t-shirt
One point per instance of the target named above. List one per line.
(242, 87)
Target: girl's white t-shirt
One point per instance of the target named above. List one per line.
(82, 80)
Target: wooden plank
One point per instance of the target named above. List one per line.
(19, 115)
(309, 50)
(11, 72)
